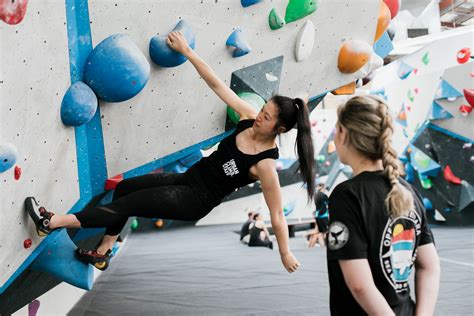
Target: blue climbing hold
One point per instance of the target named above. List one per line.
(237, 40)
(438, 112)
(8, 156)
(116, 69)
(248, 3)
(410, 173)
(404, 70)
(423, 163)
(427, 203)
(79, 104)
(165, 56)
(446, 91)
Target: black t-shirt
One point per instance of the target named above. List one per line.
(244, 231)
(321, 215)
(360, 228)
(227, 169)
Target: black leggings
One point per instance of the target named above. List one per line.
(163, 195)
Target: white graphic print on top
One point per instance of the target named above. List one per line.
(230, 168)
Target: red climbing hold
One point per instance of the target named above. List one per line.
(27, 243)
(12, 12)
(469, 96)
(465, 109)
(450, 177)
(17, 173)
(463, 55)
(111, 184)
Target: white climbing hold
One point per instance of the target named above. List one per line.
(438, 216)
(304, 41)
(271, 77)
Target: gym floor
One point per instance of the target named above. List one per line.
(207, 271)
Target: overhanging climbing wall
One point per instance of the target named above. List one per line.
(34, 74)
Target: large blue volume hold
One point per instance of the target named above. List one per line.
(116, 69)
(165, 56)
(247, 3)
(8, 156)
(79, 104)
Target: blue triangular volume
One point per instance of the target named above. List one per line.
(383, 46)
(422, 163)
(445, 90)
(58, 259)
(404, 70)
(438, 112)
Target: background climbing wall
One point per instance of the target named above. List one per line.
(34, 73)
(176, 109)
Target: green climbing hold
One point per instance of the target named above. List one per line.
(251, 98)
(425, 181)
(320, 158)
(298, 9)
(134, 224)
(275, 20)
(426, 58)
(410, 96)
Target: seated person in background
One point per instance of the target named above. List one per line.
(259, 235)
(244, 231)
(321, 216)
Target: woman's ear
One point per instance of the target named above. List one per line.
(281, 129)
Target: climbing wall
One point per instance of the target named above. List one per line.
(430, 93)
(33, 77)
(153, 115)
(176, 109)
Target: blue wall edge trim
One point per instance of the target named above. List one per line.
(448, 132)
(158, 163)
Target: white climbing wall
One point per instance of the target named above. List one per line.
(176, 109)
(34, 74)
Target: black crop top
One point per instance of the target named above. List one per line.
(227, 169)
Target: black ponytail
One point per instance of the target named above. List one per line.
(304, 145)
(295, 112)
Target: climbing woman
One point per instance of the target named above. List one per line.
(245, 156)
(378, 231)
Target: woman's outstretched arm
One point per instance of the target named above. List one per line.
(268, 176)
(178, 42)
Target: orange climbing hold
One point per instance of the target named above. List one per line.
(353, 55)
(450, 177)
(345, 90)
(331, 147)
(159, 223)
(384, 20)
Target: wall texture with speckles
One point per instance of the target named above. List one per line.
(34, 74)
(176, 109)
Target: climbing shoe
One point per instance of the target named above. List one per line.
(40, 216)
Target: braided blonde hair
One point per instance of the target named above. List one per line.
(370, 129)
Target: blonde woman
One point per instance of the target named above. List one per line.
(378, 233)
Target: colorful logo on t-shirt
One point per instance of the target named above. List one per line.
(398, 251)
(230, 168)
